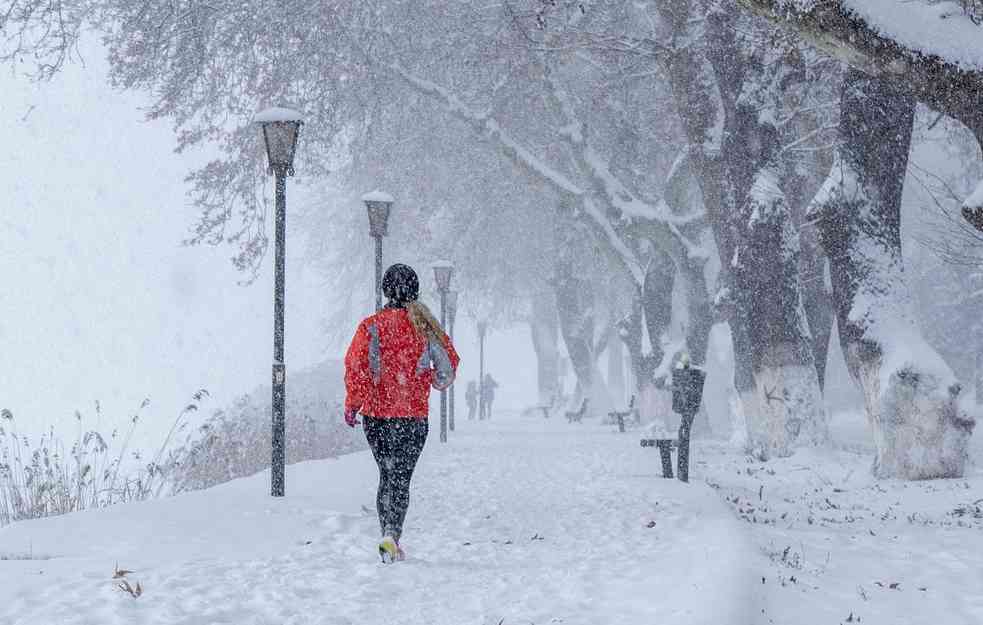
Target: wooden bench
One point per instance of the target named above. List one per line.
(665, 446)
(578, 416)
(618, 416)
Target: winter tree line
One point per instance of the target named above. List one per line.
(607, 172)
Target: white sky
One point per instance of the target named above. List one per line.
(99, 301)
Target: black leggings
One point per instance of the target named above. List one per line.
(396, 445)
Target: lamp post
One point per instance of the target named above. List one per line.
(280, 127)
(482, 330)
(378, 204)
(442, 272)
(451, 315)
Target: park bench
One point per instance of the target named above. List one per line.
(618, 416)
(578, 416)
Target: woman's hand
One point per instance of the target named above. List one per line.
(351, 417)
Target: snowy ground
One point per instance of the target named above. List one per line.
(516, 521)
(525, 521)
(846, 548)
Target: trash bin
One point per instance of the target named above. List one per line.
(687, 389)
(687, 392)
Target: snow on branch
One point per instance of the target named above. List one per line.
(658, 219)
(935, 49)
(629, 259)
(486, 125)
(972, 208)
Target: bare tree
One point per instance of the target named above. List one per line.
(42, 34)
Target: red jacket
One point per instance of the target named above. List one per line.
(389, 367)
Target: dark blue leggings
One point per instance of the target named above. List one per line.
(396, 445)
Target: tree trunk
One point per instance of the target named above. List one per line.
(803, 178)
(660, 277)
(977, 333)
(910, 393)
(545, 339)
(576, 317)
(734, 150)
(816, 299)
(766, 267)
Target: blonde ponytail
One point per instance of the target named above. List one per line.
(424, 323)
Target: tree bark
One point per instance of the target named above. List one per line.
(660, 278)
(575, 312)
(804, 177)
(910, 393)
(735, 152)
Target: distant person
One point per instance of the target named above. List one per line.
(396, 356)
(472, 398)
(488, 396)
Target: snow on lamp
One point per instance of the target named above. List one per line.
(281, 128)
(378, 204)
(442, 272)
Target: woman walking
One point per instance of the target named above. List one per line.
(396, 356)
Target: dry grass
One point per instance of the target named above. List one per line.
(47, 477)
(134, 590)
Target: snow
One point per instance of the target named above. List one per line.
(277, 114)
(766, 196)
(935, 29)
(378, 196)
(838, 539)
(975, 200)
(941, 29)
(514, 521)
(525, 520)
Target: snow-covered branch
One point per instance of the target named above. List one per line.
(935, 50)
(938, 55)
(489, 127)
(657, 219)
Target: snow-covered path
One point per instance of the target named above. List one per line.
(515, 521)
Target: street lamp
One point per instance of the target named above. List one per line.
(482, 330)
(378, 204)
(281, 127)
(451, 315)
(442, 272)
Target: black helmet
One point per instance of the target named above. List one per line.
(400, 284)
